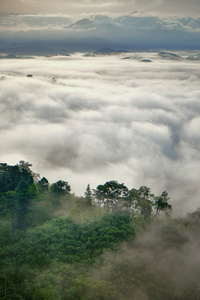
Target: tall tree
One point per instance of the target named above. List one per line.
(88, 195)
(130, 201)
(23, 165)
(43, 185)
(110, 194)
(161, 203)
(145, 201)
(59, 189)
(17, 190)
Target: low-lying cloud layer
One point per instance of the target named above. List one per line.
(93, 119)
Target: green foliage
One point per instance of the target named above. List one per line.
(17, 192)
(110, 194)
(145, 201)
(60, 188)
(63, 240)
(43, 185)
(14, 178)
(162, 204)
(55, 245)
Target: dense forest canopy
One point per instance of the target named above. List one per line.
(112, 243)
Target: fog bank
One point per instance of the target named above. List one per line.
(93, 119)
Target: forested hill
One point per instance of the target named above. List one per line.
(27, 200)
(112, 243)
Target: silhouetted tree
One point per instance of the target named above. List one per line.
(110, 194)
(130, 201)
(60, 187)
(43, 185)
(161, 203)
(88, 195)
(145, 201)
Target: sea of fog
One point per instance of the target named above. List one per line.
(86, 119)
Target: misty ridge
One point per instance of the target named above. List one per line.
(111, 243)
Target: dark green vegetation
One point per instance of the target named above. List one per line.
(113, 243)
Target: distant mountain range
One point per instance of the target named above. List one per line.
(42, 35)
(63, 47)
(88, 46)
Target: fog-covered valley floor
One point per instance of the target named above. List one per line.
(88, 119)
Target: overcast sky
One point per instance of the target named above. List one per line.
(105, 118)
(166, 7)
(158, 24)
(76, 7)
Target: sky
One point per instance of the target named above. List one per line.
(171, 24)
(94, 119)
(77, 7)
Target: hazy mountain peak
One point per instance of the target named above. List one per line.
(82, 22)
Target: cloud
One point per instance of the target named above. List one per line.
(149, 260)
(77, 7)
(105, 118)
(129, 31)
(131, 21)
